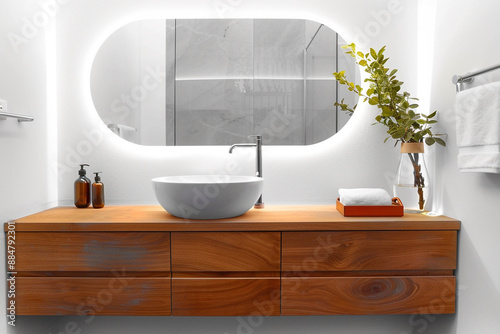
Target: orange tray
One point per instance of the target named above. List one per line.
(394, 210)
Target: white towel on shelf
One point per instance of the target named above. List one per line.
(478, 128)
(364, 196)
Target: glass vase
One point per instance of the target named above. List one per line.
(412, 184)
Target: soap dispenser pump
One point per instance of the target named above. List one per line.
(82, 188)
(97, 192)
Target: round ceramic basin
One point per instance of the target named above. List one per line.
(207, 196)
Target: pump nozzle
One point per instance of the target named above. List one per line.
(82, 171)
(97, 177)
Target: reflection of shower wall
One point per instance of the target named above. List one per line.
(346, 63)
(214, 67)
(129, 81)
(278, 84)
(240, 77)
(156, 127)
(114, 75)
(320, 91)
(323, 57)
(278, 111)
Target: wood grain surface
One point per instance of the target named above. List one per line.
(367, 295)
(90, 251)
(369, 250)
(306, 260)
(226, 251)
(226, 296)
(119, 295)
(271, 218)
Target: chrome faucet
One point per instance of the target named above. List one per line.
(258, 145)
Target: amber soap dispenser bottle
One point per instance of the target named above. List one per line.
(97, 192)
(82, 189)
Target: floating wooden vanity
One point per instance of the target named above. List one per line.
(281, 260)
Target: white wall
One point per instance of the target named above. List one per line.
(27, 150)
(354, 157)
(465, 40)
(27, 182)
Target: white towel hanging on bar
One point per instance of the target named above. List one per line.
(478, 128)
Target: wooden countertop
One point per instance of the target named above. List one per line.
(271, 218)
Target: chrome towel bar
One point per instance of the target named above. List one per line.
(20, 118)
(469, 77)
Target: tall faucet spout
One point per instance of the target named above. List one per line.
(258, 145)
(241, 145)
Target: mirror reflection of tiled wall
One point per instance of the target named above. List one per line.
(241, 77)
(222, 80)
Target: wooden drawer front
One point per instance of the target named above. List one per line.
(371, 295)
(226, 296)
(92, 251)
(117, 295)
(226, 251)
(369, 250)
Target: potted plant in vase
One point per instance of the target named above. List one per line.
(404, 124)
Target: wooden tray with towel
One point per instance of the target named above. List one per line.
(394, 210)
(368, 202)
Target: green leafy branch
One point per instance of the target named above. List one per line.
(397, 108)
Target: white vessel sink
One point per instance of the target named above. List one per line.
(207, 196)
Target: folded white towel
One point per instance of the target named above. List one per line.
(478, 128)
(364, 196)
(481, 159)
